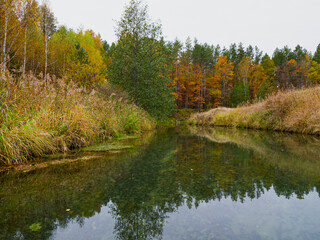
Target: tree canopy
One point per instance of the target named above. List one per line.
(139, 61)
(159, 75)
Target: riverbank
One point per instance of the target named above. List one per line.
(39, 117)
(292, 111)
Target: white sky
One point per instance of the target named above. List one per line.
(265, 23)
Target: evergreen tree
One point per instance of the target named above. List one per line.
(249, 52)
(300, 53)
(139, 63)
(188, 49)
(233, 53)
(316, 56)
(257, 55)
(240, 94)
(241, 53)
(203, 55)
(216, 54)
(279, 57)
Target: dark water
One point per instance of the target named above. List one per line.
(196, 184)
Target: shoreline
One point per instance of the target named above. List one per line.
(91, 152)
(295, 111)
(53, 116)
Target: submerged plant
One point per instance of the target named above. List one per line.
(35, 227)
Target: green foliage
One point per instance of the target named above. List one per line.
(202, 54)
(139, 63)
(240, 94)
(316, 56)
(314, 72)
(78, 56)
(299, 53)
(130, 123)
(281, 56)
(264, 91)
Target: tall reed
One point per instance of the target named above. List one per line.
(39, 117)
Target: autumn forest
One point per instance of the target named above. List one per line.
(201, 76)
(66, 88)
(142, 137)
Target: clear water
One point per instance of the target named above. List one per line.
(195, 184)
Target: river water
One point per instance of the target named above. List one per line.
(172, 184)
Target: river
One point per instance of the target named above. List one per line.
(172, 184)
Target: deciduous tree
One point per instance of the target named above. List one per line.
(139, 61)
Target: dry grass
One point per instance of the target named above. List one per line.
(39, 117)
(292, 111)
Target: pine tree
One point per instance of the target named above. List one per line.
(316, 56)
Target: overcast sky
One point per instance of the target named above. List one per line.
(265, 23)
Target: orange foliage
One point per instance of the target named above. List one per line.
(188, 83)
(220, 83)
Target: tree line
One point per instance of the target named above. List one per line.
(207, 76)
(159, 75)
(31, 41)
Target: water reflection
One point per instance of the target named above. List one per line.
(206, 183)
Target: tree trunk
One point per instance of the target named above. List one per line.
(177, 84)
(25, 51)
(5, 40)
(205, 89)
(199, 97)
(187, 97)
(46, 57)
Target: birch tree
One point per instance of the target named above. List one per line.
(48, 27)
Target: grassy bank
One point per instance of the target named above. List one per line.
(39, 117)
(292, 111)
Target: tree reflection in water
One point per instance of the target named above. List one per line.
(143, 187)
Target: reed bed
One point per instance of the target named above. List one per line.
(39, 116)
